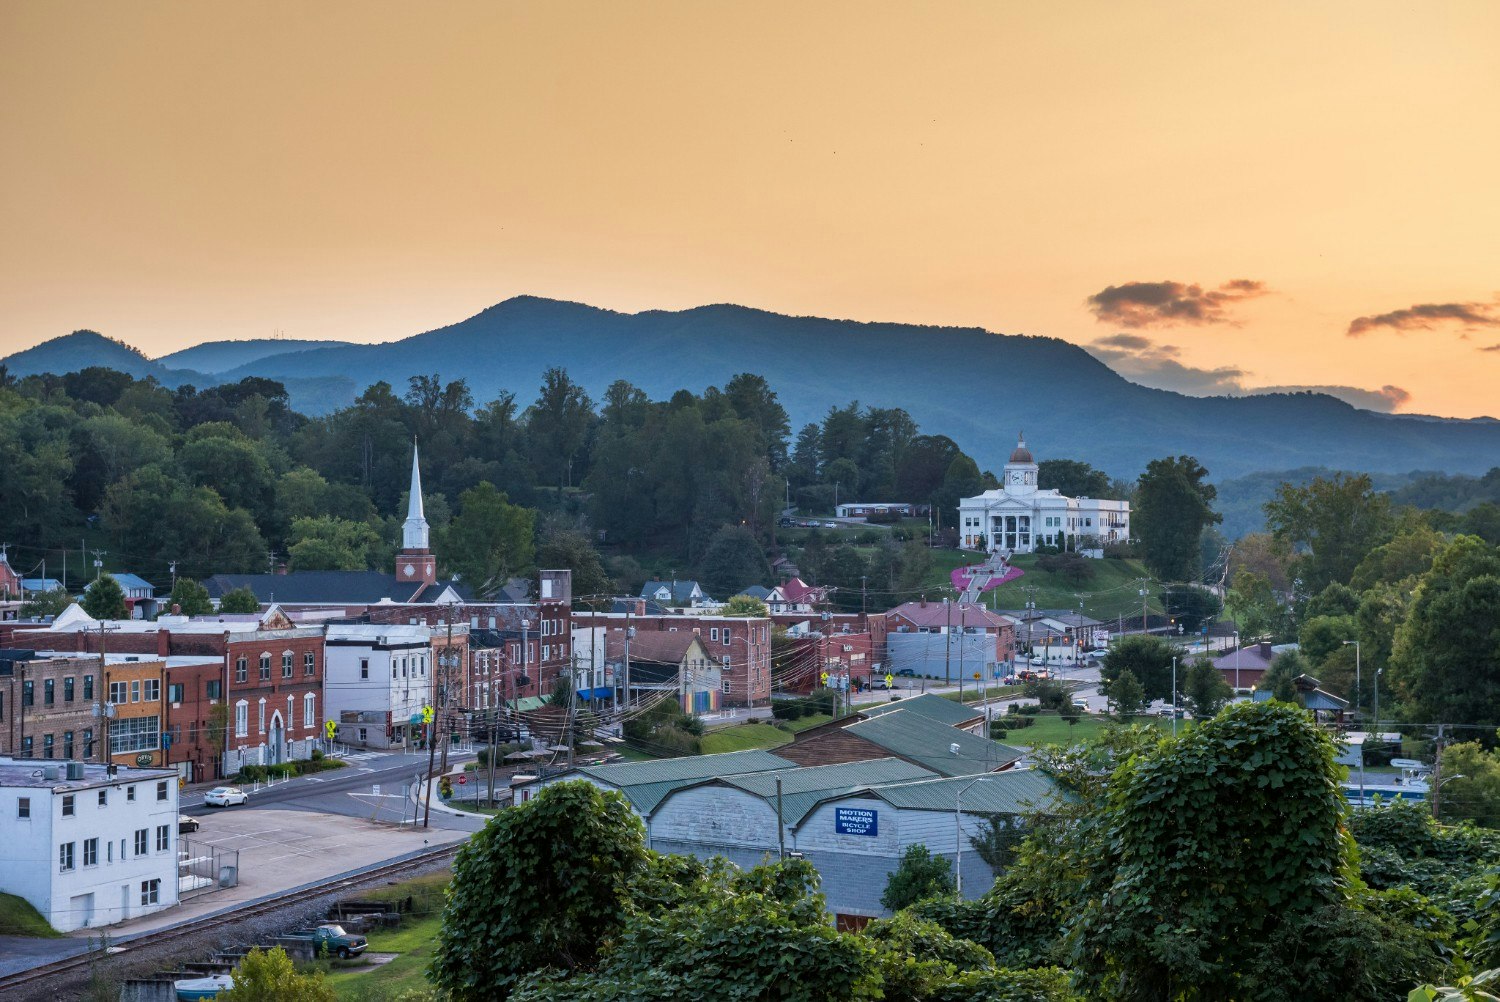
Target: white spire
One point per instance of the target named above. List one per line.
(414, 529)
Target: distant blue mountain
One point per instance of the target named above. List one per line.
(977, 387)
(221, 356)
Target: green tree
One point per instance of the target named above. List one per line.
(563, 548)
(1073, 479)
(1322, 636)
(732, 561)
(1471, 784)
(1205, 689)
(539, 888)
(105, 599)
(1279, 677)
(1334, 522)
(1191, 606)
(190, 598)
(1256, 607)
(489, 540)
(1126, 693)
(269, 976)
(331, 544)
(1446, 662)
(708, 931)
(44, 604)
(1223, 848)
(744, 605)
(1146, 657)
(239, 601)
(557, 426)
(1173, 505)
(919, 875)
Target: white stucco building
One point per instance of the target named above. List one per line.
(90, 850)
(1018, 517)
(378, 678)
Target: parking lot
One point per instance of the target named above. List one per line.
(280, 850)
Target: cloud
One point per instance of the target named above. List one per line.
(1142, 361)
(1159, 366)
(1426, 316)
(1493, 347)
(1386, 399)
(1164, 304)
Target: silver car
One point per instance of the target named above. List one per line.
(225, 796)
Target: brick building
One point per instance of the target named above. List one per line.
(47, 705)
(740, 644)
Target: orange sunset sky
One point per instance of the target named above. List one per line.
(1213, 197)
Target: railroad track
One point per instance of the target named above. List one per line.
(35, 975)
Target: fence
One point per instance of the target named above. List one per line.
(204, 867)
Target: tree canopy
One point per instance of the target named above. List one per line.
(1173, 505)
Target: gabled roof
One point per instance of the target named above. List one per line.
(797, 591)
(645, 784)
(134, 582)
(803, 789)
(1011, 792)
(680, 592)
(41, 584)
(956, 614)
(757, 591)
(332, 587)
(930, 743)
(658, 646)
(928, 705)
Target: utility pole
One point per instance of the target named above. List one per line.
(1437, 775)
(172, 566)
(99, 556)
(948, 643)
(862, 582)
(962, 636)
(1174, 697)
(449, 660)
(1144, 622)
(104, 757)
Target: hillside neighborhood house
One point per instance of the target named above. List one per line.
(1017, 516)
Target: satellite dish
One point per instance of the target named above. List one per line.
(953, 748)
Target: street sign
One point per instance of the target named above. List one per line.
(427, 714)
(890, 680)
(462, 779)
(374, 789)
(329, 728)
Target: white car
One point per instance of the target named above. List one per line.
(225, 796)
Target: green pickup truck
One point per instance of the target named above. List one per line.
(334, 939)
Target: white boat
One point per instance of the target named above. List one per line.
(1412, 784)
(190, 989)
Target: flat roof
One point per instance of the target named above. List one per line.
(30, 774)
(172, 660)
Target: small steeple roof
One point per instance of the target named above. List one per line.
(414, 531)
(1021, 453)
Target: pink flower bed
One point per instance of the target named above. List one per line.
(961, 575)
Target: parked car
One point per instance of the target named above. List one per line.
(878, 683)
(225, 796)
(830, 525)
(907, 673)
(335, 939)
(1081, 704)
(187, 825)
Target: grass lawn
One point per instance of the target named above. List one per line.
(414, 939)
(1051, 729)
(742, 737)
(972, 695)
(18, 918)
(803, 723)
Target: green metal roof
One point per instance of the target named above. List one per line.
(645, 784)
(804, 789)
(1013, 792)
(937, 707)
(929, 742)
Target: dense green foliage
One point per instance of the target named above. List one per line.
(105, 599)
(539, 888)
(1149, 659)
(918, 876)
(1173, 505)
(269, 976)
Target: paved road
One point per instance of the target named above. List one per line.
(369, 787)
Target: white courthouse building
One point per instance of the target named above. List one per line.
(1017, 516)
(88, 845)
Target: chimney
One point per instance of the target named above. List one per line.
(176, 609)
(163, 643)
(1265, 649)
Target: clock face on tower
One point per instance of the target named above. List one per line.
(1016, 477)
(408, 570)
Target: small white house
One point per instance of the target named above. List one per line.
(88, 845)
(376, 679)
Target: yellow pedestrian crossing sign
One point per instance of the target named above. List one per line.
(330, 728)
(889, 679)
(427, 714)
(823, 678)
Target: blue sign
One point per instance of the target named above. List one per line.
(856, 821)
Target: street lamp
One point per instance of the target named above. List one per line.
(958, 836)
(1357, 687)
(1236, 661)
(1174, 697)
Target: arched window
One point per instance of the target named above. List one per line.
(262, 718)
(286, 664)
(241, 718)
(309, 710)
(265, 668)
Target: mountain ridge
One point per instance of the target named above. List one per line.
(977, 386)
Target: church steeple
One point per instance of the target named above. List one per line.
(414, 530)
(415, 563)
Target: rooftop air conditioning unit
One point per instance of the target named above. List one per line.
(75, 770)
(52, 773)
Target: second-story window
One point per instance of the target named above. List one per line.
(265, 667)
(309, 664)
(241, 668)
(286, 664)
